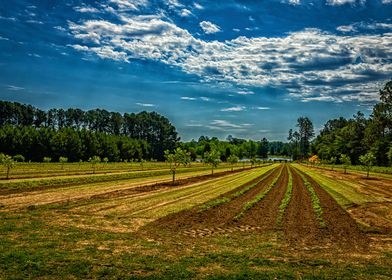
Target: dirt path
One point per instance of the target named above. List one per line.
(341, 229)
(265, 212)
(216, 217)
(300, 225)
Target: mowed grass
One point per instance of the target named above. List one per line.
(345, 191)
(67, 241)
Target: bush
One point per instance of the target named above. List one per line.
(18, 158)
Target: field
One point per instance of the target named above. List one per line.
(275, 221)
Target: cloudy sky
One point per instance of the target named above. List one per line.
(242, 67)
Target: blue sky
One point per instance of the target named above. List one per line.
(245, 68)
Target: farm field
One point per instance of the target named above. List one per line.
(285, 221)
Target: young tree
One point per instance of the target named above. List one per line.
(94, 160)
(306, 132)
(390, 155)
(63, 160)
(142, 162)
(333, 162)
(8, 162)
(177, 158)
(346, 161)
(368, 160)
(18, 158)
(47, 159)
(212, 158)
(253, 161)
(233, 159)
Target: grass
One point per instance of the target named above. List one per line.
(286, 200)
(31, 184)
(346, 192)
(219, 201)
(76, 241)
(250, 204)
(315, 200)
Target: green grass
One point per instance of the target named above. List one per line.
(347, 193)
(250, 204)
(315, 200)
(219, 201)
(286, 200)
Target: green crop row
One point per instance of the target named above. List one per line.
(286, 199)
(80, 180)
(219, 201)
(315, 200)
(258, 197)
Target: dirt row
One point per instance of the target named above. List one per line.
(213, 217)
(300, 227)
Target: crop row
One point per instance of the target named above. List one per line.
(219, 201)
(80, 180)
(258, 197)
(315, 200)
(286, 200)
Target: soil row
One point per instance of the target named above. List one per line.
(219, 216)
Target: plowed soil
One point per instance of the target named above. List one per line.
(300, 225)
(265, 212)
(220, 216)
(340, 229)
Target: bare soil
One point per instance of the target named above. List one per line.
(264, 214)
(213, 219)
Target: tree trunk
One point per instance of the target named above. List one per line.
(212, 171)
(174, 176)
(8, 172)
(232, 167)
(367, 175)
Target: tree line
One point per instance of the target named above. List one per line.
(358, 140)
(79, 134)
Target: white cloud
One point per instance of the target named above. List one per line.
(234, 109)
(4, 38)
(209, 28)
(340, 2)
(185, 13)
(386, 1)
(225, 123)
(14, 88)
(86, 9)
(187, 98)
(205, 98)
(308, 63)
(262, 108)
(245, 92)
(145, 104)
(130, 4)
(346, 28)
(200, 7)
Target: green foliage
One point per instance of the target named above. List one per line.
(18, 158)
(368, 160)
(233, 159)
(315, 200)
(250, 204)
(390, 155)
(212, 158)
(8, 163)
(286, 200)
(345, 161)
(105, 160)
(253, 161)
(94, 161)
(63, 159)
(175, 159)
(81, 134)
(47, 159)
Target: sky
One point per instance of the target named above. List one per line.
(244, 68)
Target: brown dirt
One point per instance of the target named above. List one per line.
(214, 219)
(377, 216)
(265, 212)
(300, 225)
(341, 229)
